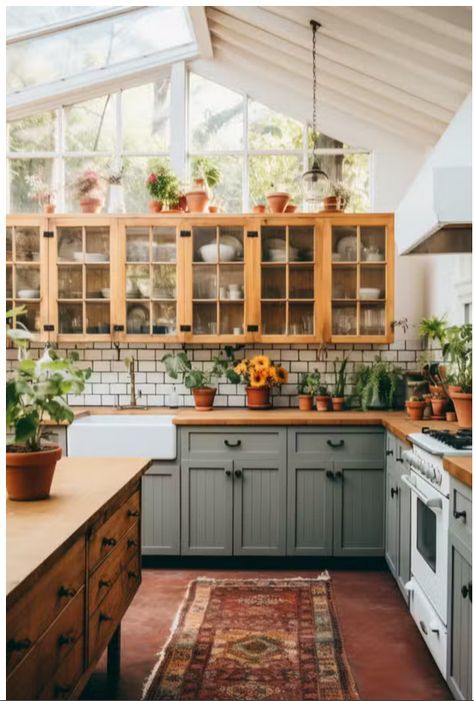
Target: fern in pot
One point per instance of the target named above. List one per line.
(377, 385)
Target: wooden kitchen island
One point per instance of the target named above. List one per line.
(73, 567)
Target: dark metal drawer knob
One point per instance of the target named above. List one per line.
(131, 543)
(66, 592)
(388, 452)
(398, 459)
(393, 491)
(333, 444)
(228, 473)
(105, 583)
(237, 444)
(339, 475)
(460, 514)
(104, 617)
(133, 575)
(133, 513)
(109, 541)
(330, 474)
(466, 590)
(66, 639)
(18, 645)
(238, 473)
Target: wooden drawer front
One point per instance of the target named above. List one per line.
(64, 680)
(232, 443)
(461, 511)
(40, 665)
(108, 614)
(29, 617)
(105, 538)
(309, 444)
(102, 580)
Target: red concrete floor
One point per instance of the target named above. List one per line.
(388, 658)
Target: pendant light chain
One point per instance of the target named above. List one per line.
(315, 25)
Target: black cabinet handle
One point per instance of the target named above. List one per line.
(238, 473)
(237, 444)
(109, 541)
(17, 645)
(339, 475)
(133, 513)
(105, 583)
(388, 452)
(119, 327)
(66, 639)
(393, 491)
(131, 543)
(399, 459)
(330, 474)
(65, 592)
(460, 514)
(331, 443)
(466, 590)
(104, 617)
(228, 473)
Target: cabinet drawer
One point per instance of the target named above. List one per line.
(461, 511)
(64, 680)
(105, 538)
(326, 444)
(108, 614)
(202, 443)
(102, 580)
(29, 617)
(45, 658)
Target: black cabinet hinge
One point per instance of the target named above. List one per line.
(252, 327)
(48, 234)
(252, 234)
(48, 327)
(185, 327)
(185, 234)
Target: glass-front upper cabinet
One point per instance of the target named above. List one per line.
(26, 272)
(218, 302)
(288, 258)
(361, 281)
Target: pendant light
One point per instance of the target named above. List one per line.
(315, 180)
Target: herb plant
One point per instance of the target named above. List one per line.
(163, 185)
(310, 383)
(178, 365)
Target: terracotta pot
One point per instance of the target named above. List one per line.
(305, 402)
(437, 390)
(49, 208)
(451, 416)
(291, 208)
(213, 209)
(258, 397)
(415, 410)
(454, 388)
(259, 209)
(182, 203)
(29, 475)
(438, 405)
(277, 201)
(463, 406)
(200, 182)
(155, 206)
(204, 398)
(428, 408)
(338, 403)
(332, 204)
(197, 201)
(90, 205)
(322, 402)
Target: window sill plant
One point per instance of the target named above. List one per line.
(163, 187)
(260, 374)
(89, 192)
(37, 388)
(307, 390)
(206, 176)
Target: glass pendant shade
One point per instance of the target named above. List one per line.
(315, 184)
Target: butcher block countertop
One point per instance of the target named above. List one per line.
(461, 468)
(38, 531)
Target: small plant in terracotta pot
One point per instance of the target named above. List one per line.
(259, 208)
(37, 389)
(458, 351)
(340, 384)
(291, 208)
(277, 201)
(438, 405)
(163, 187)
(89, 192)
(42, 193)
(415, 407)
(260, 374)
(206, 176)
(307, 388)
(323, 399)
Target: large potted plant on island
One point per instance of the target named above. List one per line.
(458, 352)
(200, 381)
(260, 374)
(36, 390)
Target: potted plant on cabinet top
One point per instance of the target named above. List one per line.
(89, 192)
(338, 198)
(260, 374)
(200, 381)
(163, 186)
(41, 193)
(307, 389)
(36, 390)
(277, 200)
(458, 351)
(340, 385)
(115, 203)
(206, 175)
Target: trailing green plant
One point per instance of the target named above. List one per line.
(340, 375)
(38, 388)
(310, 383)
(163, 185)
(375, 386)
(457, 351)
(179, 366)
(202, 167)
(433, 329)
(359, 380)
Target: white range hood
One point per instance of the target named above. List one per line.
(435, 215)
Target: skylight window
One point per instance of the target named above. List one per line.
(28, 19)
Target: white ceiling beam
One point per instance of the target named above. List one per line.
(440, 91)
(197, 15)
(348, 93)
(454, 22)
(231, 29)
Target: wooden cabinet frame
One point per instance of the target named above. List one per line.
(252, 269)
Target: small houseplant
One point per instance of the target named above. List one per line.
(42, 193)
(338, 198)
(260, 374)
(163, 187)
(340, 385)
(432, 331)
(457, 350)
(376, 385)
(89, 192)
(37, 389)
(178, 365)
(277, 200)
(323, 398)
(415, 407)
(307, 389)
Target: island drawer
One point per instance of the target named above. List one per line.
(27, 620)
(45, 657)
(328, 443)
(103, 578)
(108, 614)
(104, 539)
(64, 680)
(232, 442)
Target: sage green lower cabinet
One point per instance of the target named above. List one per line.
(160, 507)
(310, 508)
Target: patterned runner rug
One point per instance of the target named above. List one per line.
(254, 640)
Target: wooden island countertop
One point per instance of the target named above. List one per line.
(461, 468)
(37, 531)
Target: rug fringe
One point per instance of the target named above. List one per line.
(323, 577)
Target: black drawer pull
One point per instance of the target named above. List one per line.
(228, 473)
(105, 583)
(330, 474)
(109, 541)
(238, 473)
(237, 444)
(18, 645)
(398, 459)
(131, 543)
(460, 514)
(466, 590)
(393, 491)
(133, 575)
(423, 627)
(68, 593)
(66, 639)
(332, 444)
(388, 452)
(60, 690)
(339, 475)
(104, 617)
(133, 513)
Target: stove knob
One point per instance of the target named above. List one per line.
(430, 473)
(438, 477)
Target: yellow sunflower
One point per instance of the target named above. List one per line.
(260, 362)
(242, 367)
(281, 375)
(258, 378)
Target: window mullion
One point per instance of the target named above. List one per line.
(245, 159)
(60, 144)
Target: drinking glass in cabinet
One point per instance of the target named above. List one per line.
(70, 244)
(301, 280)
(31, 319)
(164, 282)
(138, 318)
(344, 319)
(97, 282)
(205, 247)
(274, 244)
(372, 319)
(273, 318)
(27, 282)
(9, 244)
(9, 282)
(344, 283)
(70, 282)
(204, 318)
(138, 283)
(231, 318)
(372, 243)
(97, 318)
(274, 282)
(231, 282)
(301, 243)
(344, 243)
(138, 244)
(163, 246)
(300, 321)
(205, 282)
(27, 243)
(97, 244)
(164, 318)
(70, 318)
(372, 282)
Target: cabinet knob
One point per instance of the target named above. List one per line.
(330, 474)
(399, 459)
(334, 444)
(66, 592)
(65, 639)
(228, 473)
(466, 590)
(238, 473)
(18, 645)
(131, 543)
(135, 514)
(109, 541)
(105, 583)
(460, 514)
(104, 617)
(339, 475)
(393, 491)
(388, 452)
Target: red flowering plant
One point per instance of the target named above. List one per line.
(87, 185)
(163, 186)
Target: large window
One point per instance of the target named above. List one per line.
(255, 148)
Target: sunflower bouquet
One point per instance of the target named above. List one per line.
(260, 371)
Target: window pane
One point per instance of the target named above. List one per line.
(136, 171)
(145, 111)
(227, 195)
(20, 168)
(18, 20)
(271, 130)
(353, 170)
(35, 133)
(75, 167)
(268, 173)
(215, 116)
(90, 126)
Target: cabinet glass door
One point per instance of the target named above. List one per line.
(359, 281)
(218, 281)
(23, 273)
(151, 280)
(288, 294)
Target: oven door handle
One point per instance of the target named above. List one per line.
(430, 503)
